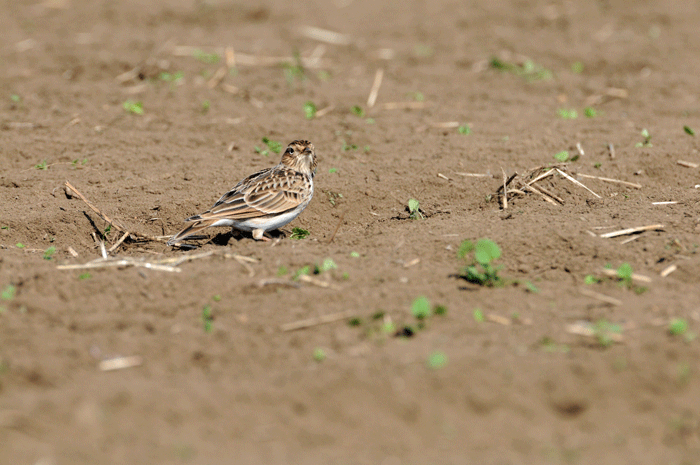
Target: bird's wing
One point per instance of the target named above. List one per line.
(268, 192)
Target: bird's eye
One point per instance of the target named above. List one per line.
(290, 150)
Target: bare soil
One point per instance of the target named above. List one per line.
(498, 379)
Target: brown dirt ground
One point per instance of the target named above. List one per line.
(248, 392)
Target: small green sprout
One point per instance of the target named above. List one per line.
(355, 321)
(417, 96)
(5, 227)
(688, 130)
(590, 279)
(414, 210)
(15, 98)
(529, 70)
(440, 310)
(304, 270)
(299, 233)
(332, 170)
(531, 287)
(206, 105)
(358, 111)
(677, 326)
(464, 129)
(577, 67)
(562, 156)
(328, 264)
(42, 165)
(420, 308)
(171, 77)
(294, 70)
(319, 354)
(108, 230)
(345, 147)
(567, 113)
(354, 255)
(282, 270)
(216, 298)
(590, 112)
(8, 293)
(209, 58)
(482, 270)
(48, 253)
(437, 360)
(624, 272)
(310, 110)
(273, 145)
(597, 165)
(478, 315)
(84, 276)
(19, 245)
(604, 332)
(647, 139)
(133, 107)
(207, 318)
(261, 151)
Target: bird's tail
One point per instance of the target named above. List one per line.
(196, 226)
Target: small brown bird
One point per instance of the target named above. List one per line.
(263, 201)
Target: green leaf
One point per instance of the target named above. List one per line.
(42, 166)
(413, 205)
(327, 265)
(319, 354)
(309, 110)
(8, 293)
(562, 156)
(354, 255)
(677, 326)
(689, 130)
(19, 245)
(486, 251)
(624, 272)
(358, 111)
(420, 308)
(531, 287)
(577, 67)
(207, 319)
(437, 360)
(84, 276)
(590, 279)
(305, 270)
(273, 145)
(464, 248)
(48, 253)
(299, 233)
(478, 315)
(590, 112)
(464, 129)
(567, 113)
(135, 108)
(332, 170)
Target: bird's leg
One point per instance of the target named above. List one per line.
(258, 235)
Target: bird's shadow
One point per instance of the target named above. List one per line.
(223, 239)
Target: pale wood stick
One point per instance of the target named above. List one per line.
(474, 175)
(218, 76)
(324, 35)
(318, 282)
(315, 321)
(580, 149)
(672, 202)
(505, 189)
(599, 296)
(611, 149)
(586, 328)
(687, 164)
(629, 239)
(119, 242)
(378, 77)
(542, 176)
(635, 277)
(501, 320)
(403, 106)
(119, 363)
(230, 55)
(555, 197)
(546, 198)
(624, 232)
(324, 111)
(600, 178)
(445, 125)
(578, 183)
(668, 270)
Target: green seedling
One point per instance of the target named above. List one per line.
(5, 227)
(133, 107)
(345, 147)
(304, 270)
(207, 318)
(567, 113)
(688, 130)
(42, 166)
(590, 279)
(647, 139)
(15, 98)
(482, 269)
(414, 212)
(294, 70)
(216, 298)
(358, 111)
(440, 310)
(437, 360)
(333, 197)
(590, 112)
(310, 110)
(171, 77)
(332, 170)
(464, 129)
(478, 315)
(597, 165)
(206, 105)
(355, 321)
(76, 161)
(550, 345)
(420, 308)
(273, 145)
(319, 354)
(528, 70)
(204, 57)
(328, 264)
(84, 276)
(262, 152)
(354, 255)
(577, 67)
(107, 230)
(604, 332)
(562, 156)
(8, 293)
(531, 287)
(48, 253)
(417, 96)
(677, 327)
(282, 270)
(19, 245)
(299, 233)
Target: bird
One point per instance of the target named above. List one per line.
(264, 201)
